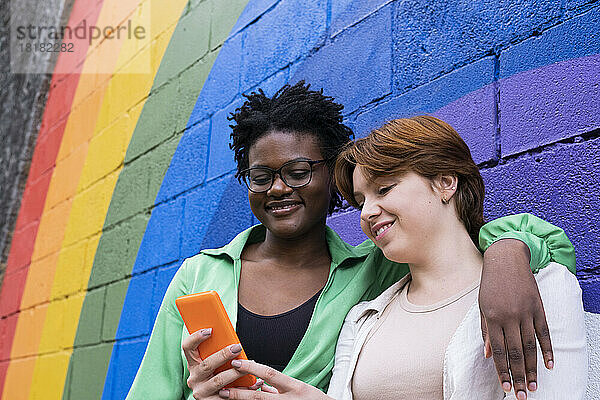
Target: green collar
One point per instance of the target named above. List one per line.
(340, 251)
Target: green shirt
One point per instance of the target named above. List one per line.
(356, 274)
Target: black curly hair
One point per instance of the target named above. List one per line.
(292, 109)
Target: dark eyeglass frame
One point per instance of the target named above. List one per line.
(246, 173)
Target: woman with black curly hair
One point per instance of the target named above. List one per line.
(288, 283)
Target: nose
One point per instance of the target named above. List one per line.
(369, 210)
(279, 188)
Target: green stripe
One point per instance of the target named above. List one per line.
(175, 90)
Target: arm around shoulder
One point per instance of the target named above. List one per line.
(546, 242)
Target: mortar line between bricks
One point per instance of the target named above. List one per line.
(25, 357)
(221, 176)
(259, 16)
(183, 193)
(585, 8)
(96, 180)
(192, 188)
(210, 29)
(108, 283)
(104, 303)
(178, 75)
(6, 316)
(452, 69)
(120, 23)
(156, 267)
(394, 66)
(328, 18)
(499, 48)
(63, 350)
(579, 139)
(207, 161)
(257, 86)
(154, 147)
(181, 221)
(364, 17)
(80, 346)
(302, 58)
(395, 94)
(374, 103)
(243, 35)
(391, 86)
(128, 276)
(551, 25)
(45, 303)
(127, 219)
(496, 102)
(127, 339)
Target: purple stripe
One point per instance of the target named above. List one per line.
(548, 104)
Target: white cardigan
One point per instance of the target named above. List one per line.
(467, 374)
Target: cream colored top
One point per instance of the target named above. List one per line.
(467, 374)
(410, 368)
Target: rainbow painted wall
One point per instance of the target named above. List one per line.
(131, 172)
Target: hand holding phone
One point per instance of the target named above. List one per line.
(205, 310)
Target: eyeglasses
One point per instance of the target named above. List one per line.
(295, 174)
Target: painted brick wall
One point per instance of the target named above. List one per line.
(144, 178)
(23, 97)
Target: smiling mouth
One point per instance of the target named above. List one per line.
(381, 231)
(283, 209)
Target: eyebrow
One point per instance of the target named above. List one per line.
(294, 159)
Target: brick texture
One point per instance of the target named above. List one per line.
(517, 79)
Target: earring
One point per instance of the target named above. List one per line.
(444, 200)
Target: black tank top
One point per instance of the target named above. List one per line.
(273, 339)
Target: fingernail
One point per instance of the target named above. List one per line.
(224, 393)
(236, 363)
(521, 395)
(206, 332)
(506, 387)
(236, 348)
(550, 364)
(532, 386)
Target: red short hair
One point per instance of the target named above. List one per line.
(425, 145)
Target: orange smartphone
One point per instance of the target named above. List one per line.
(205, 310)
